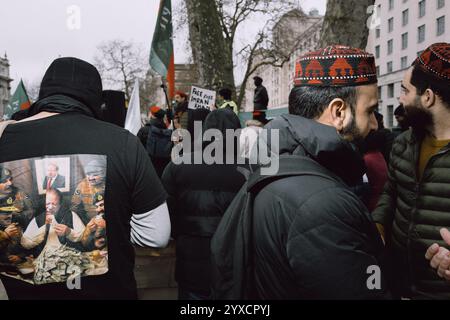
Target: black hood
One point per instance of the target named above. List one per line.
(157, 122)
(73, 78)
(301, 136)
(222, 119)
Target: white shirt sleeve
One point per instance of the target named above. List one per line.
(151, 229)
(33, 235)
(78, 228)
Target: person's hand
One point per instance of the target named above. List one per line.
(439, 256)
(62, 230)
(445, 234)
(12, 231)
(101, 223)
(176, 123)
(91, 225)
(14, 259)
(48, 219)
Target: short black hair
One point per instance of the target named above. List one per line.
(226, 93)
(310, 102)
(423, 80)
(258, 80)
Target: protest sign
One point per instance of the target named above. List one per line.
(201, 98)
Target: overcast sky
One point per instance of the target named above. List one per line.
(36, 32)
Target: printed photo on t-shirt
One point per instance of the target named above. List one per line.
(52, 218)
(53, 173)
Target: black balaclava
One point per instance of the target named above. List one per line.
(76, 79)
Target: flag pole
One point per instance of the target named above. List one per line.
(169, 106)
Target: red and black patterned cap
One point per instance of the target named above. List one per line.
(335, 66)
(435, 60)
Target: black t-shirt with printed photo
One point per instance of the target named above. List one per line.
(131, 187)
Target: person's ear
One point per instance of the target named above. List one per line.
(337, 110)
(428, 98)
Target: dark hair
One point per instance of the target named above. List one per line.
(226, 93)
(258, 80)
(311, 102)
(423, 81)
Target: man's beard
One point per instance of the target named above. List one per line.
(352, 133)
(419, 118)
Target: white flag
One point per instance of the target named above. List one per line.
(133, 119)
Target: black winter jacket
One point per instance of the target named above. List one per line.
(198, 197)
(261, 98)
(314, 239)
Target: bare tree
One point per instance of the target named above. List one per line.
(275, 43)
(345, 23)
(210, 51)
(213, 26)
(120, 63)
(149, 89)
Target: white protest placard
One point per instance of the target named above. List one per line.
(201, 98)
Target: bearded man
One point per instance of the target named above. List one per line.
(415, 204)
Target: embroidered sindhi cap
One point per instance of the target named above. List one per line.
(435, 60)
(335, 66)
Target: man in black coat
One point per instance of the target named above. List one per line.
(313, 237)
(261, 98)
(199, 194)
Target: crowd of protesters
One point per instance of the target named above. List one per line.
(352, 194)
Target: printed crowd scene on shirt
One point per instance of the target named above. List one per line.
(52, 224)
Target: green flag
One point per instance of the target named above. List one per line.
(19, 101)
(161, 53)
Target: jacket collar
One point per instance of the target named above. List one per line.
(301, 136)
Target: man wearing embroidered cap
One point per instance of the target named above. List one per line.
(415, 204)
(314, 239)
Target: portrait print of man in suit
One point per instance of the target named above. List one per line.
(53, 180)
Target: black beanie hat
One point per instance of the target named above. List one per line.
(222, 119)
(75, 78)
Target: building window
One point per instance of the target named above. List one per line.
(379, 92)
(404, 62)
(390, 24)
(440, 25)
(377, 32)
(391, 4)
(390, 93)
(422, 5)
(378, 71)
(421, 34)
(404, 40)
(405, 16)
(390, 45)
(389, 67)
(440, 3)
(377, 52)
(390, 115)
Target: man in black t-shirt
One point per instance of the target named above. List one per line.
(64, 123)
